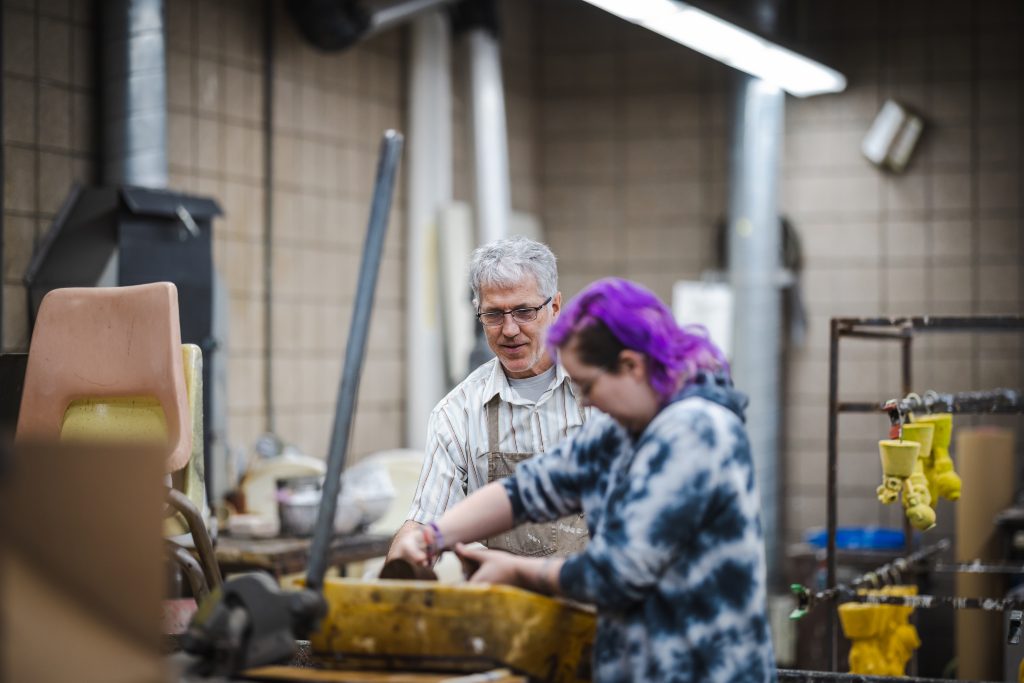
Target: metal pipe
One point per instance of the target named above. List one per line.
(906, 383)
(430, 190)
(887, 573)
(3, 155)
(400, 13)
(978, 568)
(754, 244)
(978, 323)
(135, 94)
(355, 351)
(193, 572)
(200, 537)
(831, 632)
(795, 676)
(931, 601)
(994, 402)
(885, 335)
(269, 26)
(490, 135)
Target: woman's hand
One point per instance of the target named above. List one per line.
(491, 566)
(496, 566)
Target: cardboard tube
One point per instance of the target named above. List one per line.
(986, 463)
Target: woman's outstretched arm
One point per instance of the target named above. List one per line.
(484, 513)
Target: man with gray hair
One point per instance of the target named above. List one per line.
(512, 407)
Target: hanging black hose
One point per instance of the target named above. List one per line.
(329, 25)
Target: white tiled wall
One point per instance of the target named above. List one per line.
(48, 133)
(634, 139)
(618, 141)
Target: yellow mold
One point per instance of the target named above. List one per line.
(917, 497)
(898, 458)
(944, 481)
(424, 626)
(883, 639)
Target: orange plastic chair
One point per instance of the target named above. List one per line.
(117, 345)
(107, 364)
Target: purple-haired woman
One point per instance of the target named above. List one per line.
(675, 565)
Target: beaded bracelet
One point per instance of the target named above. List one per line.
(433, 541)
(438, 537)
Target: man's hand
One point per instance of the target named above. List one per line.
(409, 544)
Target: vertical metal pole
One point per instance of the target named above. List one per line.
(135, 93)
(754, 243)
(430, 190)
(268, 215)
(906, 377)
(355, 351)
(2, 204)
(831, 631)
(905, 372)
(490, 135)
(906, 366)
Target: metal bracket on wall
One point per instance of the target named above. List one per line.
(186, 220)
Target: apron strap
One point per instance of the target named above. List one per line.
(492, 424)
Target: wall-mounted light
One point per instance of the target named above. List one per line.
(728, 43)
(892, 137)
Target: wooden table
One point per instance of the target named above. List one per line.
(289, 555)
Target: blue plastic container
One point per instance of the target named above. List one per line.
(859, 538)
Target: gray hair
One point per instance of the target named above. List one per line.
(507, 262)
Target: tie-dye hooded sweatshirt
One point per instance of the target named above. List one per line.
(675, 564)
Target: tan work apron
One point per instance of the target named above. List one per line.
(559, 538)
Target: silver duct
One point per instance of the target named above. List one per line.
(490, 135)
(430, 168)
(755, 238)
(135, 94)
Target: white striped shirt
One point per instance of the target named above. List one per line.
(456, 459)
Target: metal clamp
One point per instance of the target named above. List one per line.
(1016, 617)
(803, 601)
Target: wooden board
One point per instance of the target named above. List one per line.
(284, 673)
(81, 564)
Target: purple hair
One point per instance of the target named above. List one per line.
(638, 320)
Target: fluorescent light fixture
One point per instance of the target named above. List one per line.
(729, 44)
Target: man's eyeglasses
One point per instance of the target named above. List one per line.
(520, 315)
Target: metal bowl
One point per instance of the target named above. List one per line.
(298, 519)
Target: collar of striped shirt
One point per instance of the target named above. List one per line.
(498, 383)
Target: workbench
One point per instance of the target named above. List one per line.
(289, 555)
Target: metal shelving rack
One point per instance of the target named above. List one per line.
(901, 330)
